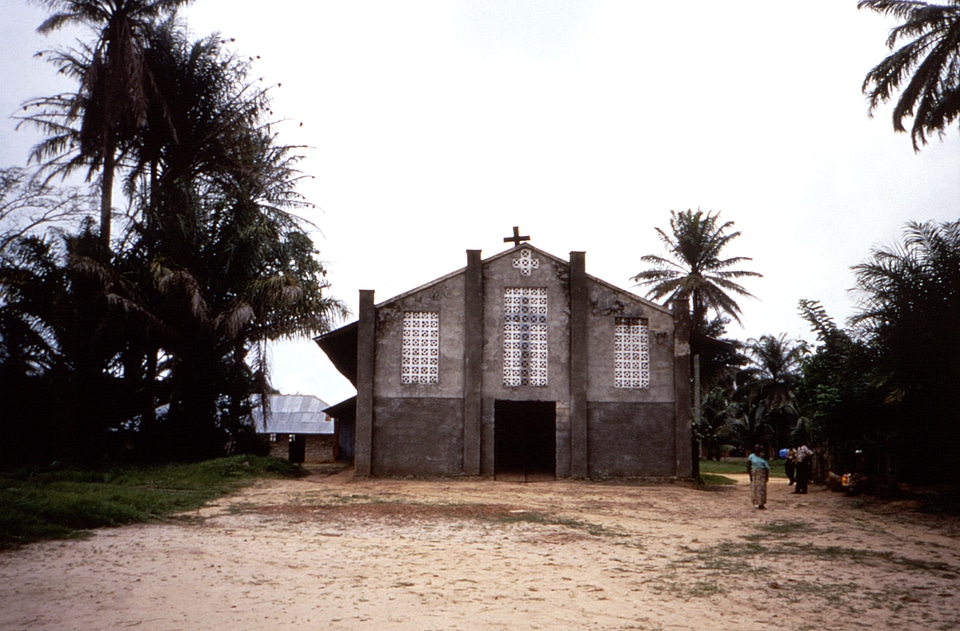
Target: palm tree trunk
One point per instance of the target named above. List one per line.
(106, 194)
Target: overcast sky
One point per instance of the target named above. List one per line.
(434, 127)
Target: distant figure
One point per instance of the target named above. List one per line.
(804, 468)
(791, 465)
(759, 471)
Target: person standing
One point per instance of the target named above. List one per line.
(804, 468)
(790, 466)
(759, 471)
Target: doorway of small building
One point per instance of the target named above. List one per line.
(525, 440)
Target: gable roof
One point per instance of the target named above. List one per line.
(294, 414)
(510, 252)
(340, 345)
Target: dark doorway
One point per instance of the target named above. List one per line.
(297, 449)
(525, 440)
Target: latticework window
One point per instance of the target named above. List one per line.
(525, 336)
(421, 347)
(631, 353)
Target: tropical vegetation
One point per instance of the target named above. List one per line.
(152, 344)
(884, 386)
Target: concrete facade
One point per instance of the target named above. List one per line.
(577, 424)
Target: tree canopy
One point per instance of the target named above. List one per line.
(925, 67)
(93, 126)
(160, 336)
(694, 268)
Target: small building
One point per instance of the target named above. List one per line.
(518, 365)
(298, 428)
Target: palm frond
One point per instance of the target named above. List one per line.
(926, 68)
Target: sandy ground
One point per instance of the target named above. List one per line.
(331, 552)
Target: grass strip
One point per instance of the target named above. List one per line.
(739, 465)
(54, 503)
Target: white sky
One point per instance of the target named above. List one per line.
(434, 127)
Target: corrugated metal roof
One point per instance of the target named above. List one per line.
(294, 414)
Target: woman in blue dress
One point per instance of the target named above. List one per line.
(759, 471)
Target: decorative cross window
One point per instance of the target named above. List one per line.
(526, 263)
(631, 353)
(525, 336)
(420, 361)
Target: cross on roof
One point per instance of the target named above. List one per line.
(516, 238)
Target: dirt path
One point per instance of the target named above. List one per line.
(330, 552)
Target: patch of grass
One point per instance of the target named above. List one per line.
(941, 569)
(724, 564)
(687, 590)
(353, 498)
(783, 527)
(772, 543)
(713, 479)
(739, 465)
(548, 520)
(360, 498)
(730, 557)
(37, 504)
(701, 589)
(726, 558)
(832, 593)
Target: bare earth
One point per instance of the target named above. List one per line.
(331, 552)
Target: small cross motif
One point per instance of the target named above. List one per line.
(516, 238)
(526, 263)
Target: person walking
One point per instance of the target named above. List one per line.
(759, 471)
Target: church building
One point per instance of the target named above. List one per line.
(518, 366)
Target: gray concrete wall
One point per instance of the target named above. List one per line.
(630, 440)
(607, 304)
(445, 297)
(414, 436)
(418, 428)
(604, 304)
(499, 274)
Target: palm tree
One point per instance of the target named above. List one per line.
(694, 269)
(228, 265)
(777, 363)
(909, 306)
(909, 314)
(111, 104)
(31, 281)
(773, 378)
(927, 67)
(64, 320)
(712, 429)
(748, 423)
